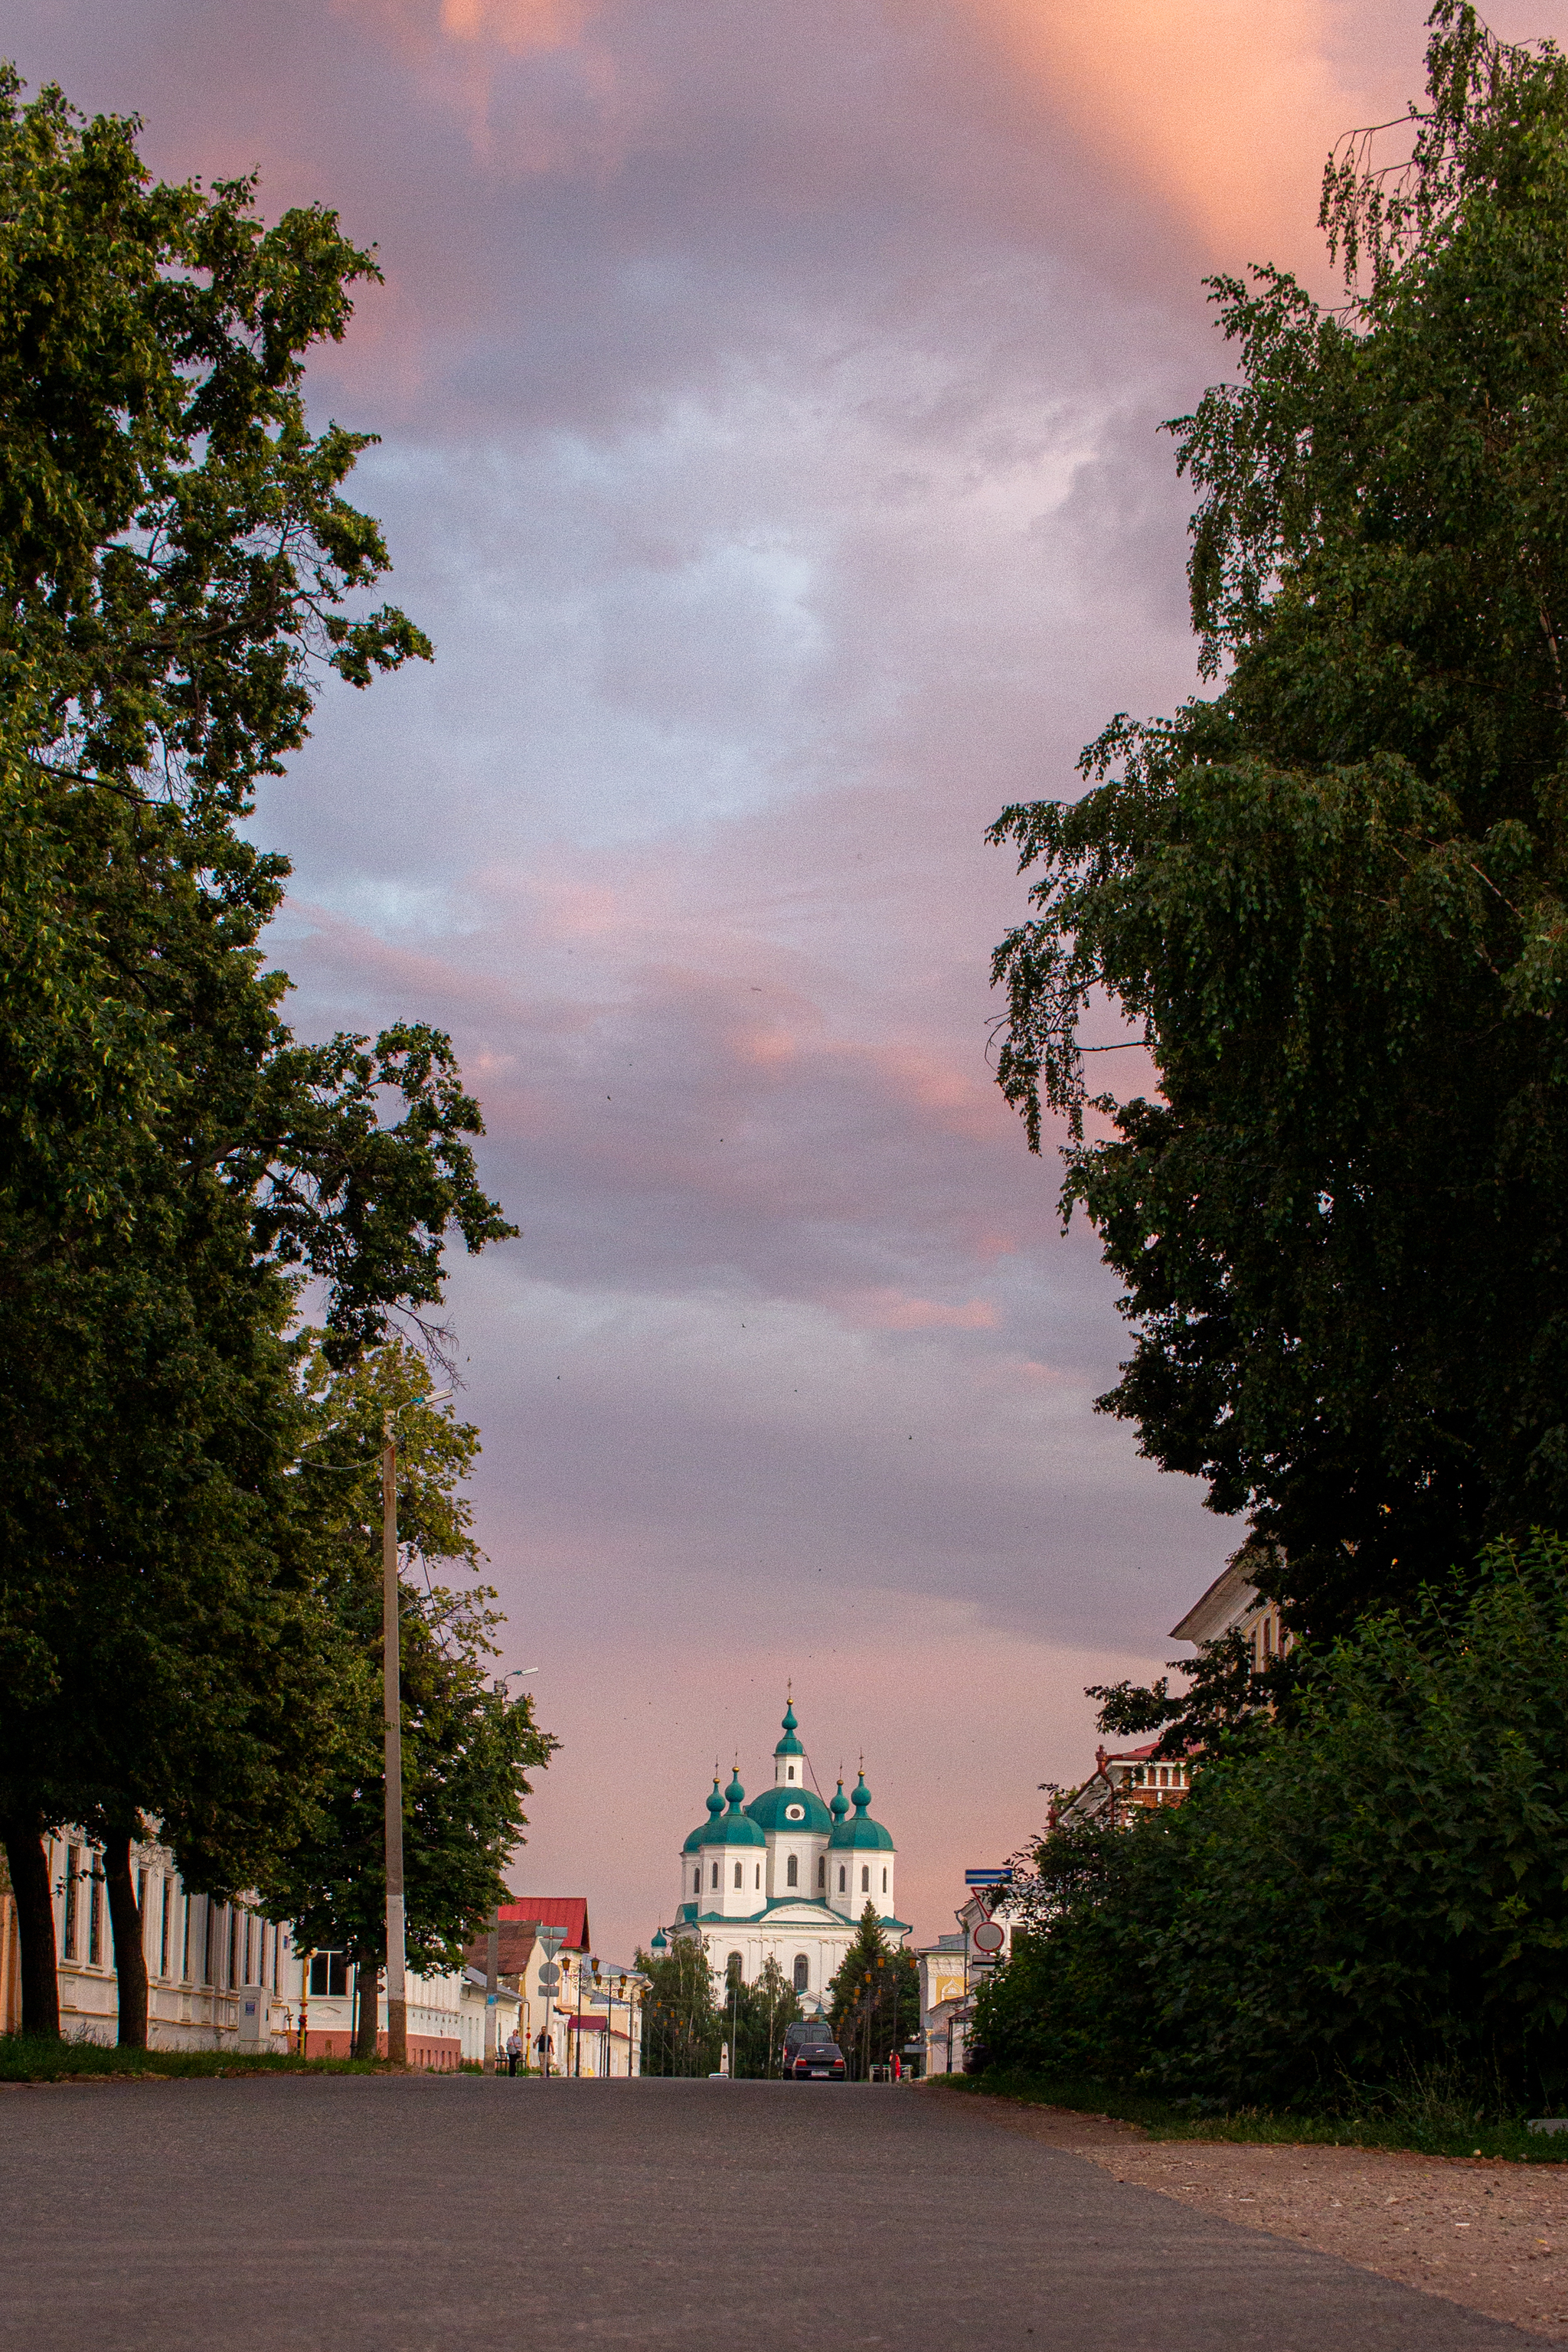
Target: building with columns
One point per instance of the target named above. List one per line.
(784, 1877)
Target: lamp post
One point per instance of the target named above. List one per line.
(392, 1716)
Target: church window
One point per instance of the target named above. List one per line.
(758, 1873)
(697, 1880)
(733, 1966)
(822, 1872)
(884, 1882)
(802, 1970)
(792, 1771)
(865, 1878)
(715, 1873)
(841, 1878)
(792, 1872)
(737, 1873)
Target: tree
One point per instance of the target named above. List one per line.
(1332, 900)
(874, 1998)
(466, 1746)
(764, 2011)
(174, 553)
(683, 2027)
(1374, 1888)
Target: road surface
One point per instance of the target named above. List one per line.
(433, 2214)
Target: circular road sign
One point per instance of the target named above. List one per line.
(548, 1977)
(988, 1936)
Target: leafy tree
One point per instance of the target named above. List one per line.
(765, 2013)
(1376, 1886)
(682, 2026)
(1332, 900)
(873, 2001)
(174, 553)
(466, 1746)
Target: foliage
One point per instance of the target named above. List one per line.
(46, 2058)
(756, 2017)
(1332, 900)
(874, 1998)
(1376, 1886)
(682, 2024)
(466, 1746)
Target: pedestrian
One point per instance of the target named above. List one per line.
(513, 2050)
(543, 2052)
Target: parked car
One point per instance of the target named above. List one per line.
(805, 2028)
(816, 2062)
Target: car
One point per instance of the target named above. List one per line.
(816, 2062)
(805, 2028)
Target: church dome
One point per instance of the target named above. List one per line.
(841, 1804)
(703, 1831)
(862, 1834)
(789, 1745)
(735, 1829)
(660, 1942)
(792, 1809)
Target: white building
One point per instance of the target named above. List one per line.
(785, 1877)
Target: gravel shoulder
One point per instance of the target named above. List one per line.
(1490, 2235)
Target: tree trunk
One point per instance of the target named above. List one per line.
(367, 1976)
(129, 1955)
(29, 1870)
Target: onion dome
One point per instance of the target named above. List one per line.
(841, 1804)
(735, 1829)
(862, 1832)
(704, 1830)
(660, 1942)
(789, 1745)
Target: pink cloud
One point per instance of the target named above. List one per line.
(894, 1310)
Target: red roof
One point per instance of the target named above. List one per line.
(569, 1912)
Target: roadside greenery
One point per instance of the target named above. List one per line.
(1332, 900)
(54, 2058)
(874, 2000)
(179, 570)
(1370, 1892)
(683, 2027)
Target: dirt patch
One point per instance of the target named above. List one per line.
(1490, 2235)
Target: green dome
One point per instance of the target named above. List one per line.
(861, 1834)
(841, 1804)
(734, 1829)
(789, 1808)
(660, 1942)
(704, 1830)
(789, 1745)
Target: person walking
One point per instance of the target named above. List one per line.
(513, 2050)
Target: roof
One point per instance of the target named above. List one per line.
(771, 1810)
(567, 1911)
(862, 1833)
(514, 1948)
(1228, 1598)
(734, 1829)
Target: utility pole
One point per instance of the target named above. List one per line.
(392, 1713)
(492, 1959)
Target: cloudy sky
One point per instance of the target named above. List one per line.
(769, 397)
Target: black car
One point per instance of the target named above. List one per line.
(815, 2062)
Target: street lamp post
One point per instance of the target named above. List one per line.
(392, 1716)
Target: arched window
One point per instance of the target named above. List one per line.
(697, 1880)
(715, 1873)
(802, 1970)
(884, 1882)
(737, 1873)
(758, 1873)
(822, 1872)
(792, 1771)
(733, 1966)
(841, 1878)
(792, 1872)
(865, 1878)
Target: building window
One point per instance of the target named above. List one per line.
(697, 1880)
(277, 1932)
(802, 1970)
(884, 1882)
(865, 1878)
(822, 1872)
(737, 1876)
(758, 1873)
(792, 1771)
(72, 1865)
(163, 1927)
(95, 1915)
(792, 1872)
(715, 1873)
(733, 1968)
(249, 1923)
(841, 1879)
(330, 1974)
(232, 1948)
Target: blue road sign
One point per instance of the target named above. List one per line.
(987, 1877)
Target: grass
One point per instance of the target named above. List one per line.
(1422, 2119)
(28, 2059)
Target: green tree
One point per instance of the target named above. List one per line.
(682, 2024)
(468, 1748)
(764, 2011)
(1375, 1887)
(873, 2001)
(1332, 900)
(174, 556)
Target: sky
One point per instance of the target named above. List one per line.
(769, 402)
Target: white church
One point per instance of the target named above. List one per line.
(784, 1877)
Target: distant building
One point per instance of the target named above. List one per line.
(785, 1877)
(1233, 1603)
(944, 1996)
(591, 2019)
(1122, 1786)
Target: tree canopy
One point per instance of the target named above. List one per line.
(1332, 898)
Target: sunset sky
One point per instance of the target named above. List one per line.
(769, 397)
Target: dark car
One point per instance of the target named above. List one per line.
(815, 2062)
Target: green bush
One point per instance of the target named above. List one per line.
(1374, 1890)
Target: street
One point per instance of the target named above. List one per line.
(426, 2214)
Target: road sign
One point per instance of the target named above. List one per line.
(987, 1877)
(987, 1939)
(548, 1977)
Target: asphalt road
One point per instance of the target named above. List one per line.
(432, 2214)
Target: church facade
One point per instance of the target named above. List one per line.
(784, 1877)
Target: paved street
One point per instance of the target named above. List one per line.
(429, 2215)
